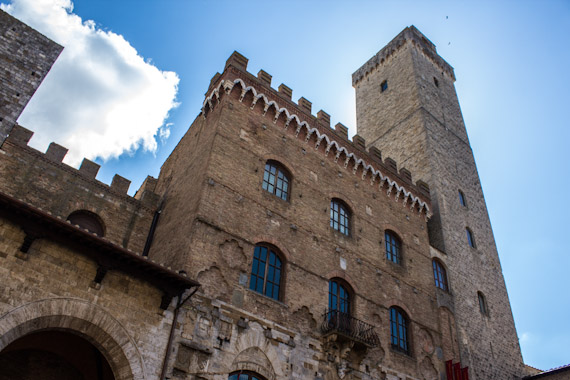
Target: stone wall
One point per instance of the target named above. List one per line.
(26, 56)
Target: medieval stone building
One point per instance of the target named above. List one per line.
(271, 246)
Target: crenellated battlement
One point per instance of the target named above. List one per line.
(277, 104)
(20, 137)
(412, 35)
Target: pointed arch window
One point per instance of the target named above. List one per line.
(266, 271)
(276, 180)
(393, 247)
(399, 330)
(340, 217)
(439, 275)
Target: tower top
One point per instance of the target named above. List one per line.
(409, 34)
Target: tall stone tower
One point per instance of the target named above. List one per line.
(407, 107)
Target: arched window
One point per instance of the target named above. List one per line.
(462, 200)
(483, 304)
(470, 238)
(87, 220)
(393, 247)
(340, 216)
(245, 375)
(276, 180)
(399, 330)
(439, 275)
(266, 271)
(339, 296)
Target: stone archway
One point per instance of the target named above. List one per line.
(53, 355)
(81, 318)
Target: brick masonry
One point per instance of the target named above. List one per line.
(210, 210)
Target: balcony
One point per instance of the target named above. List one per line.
(349, 328)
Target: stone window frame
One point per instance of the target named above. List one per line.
(349, 295)
(254, 278)
(273, 182)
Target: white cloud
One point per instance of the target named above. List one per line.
(101, 98)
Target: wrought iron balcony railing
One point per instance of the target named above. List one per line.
(345, 325)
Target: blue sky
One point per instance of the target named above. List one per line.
(511, 60)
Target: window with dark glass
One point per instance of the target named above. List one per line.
(384, 86)
(393, 247)
(276, 180)
(439, 275)
(266, 271)
(87, 220)
(462, 201)
(399, 330)
(340, 217)
(245, 375)
(482, 304)
(470, 238)
(339, 297)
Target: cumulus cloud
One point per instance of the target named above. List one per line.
(101, 98)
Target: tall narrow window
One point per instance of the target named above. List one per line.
(393, 247)
(339, 297)
(399, 330)
(276, 180)
(340, 217)
(266, 271)
(462, 201)
(383, 86)
(482, 304)
(439, 275)
(470, 239)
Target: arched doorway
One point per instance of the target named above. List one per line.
(53, 354)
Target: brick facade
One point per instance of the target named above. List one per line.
(209, 209)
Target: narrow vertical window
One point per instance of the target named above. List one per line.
(482, 304)
(276, 180)
(340, 217)
(470, 239)
(393, 247)
(439, 275)
(266, 271)
(399, 330)
(462, 201)
(384, 86)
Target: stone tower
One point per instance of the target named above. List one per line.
(26, 57)
(407, 107)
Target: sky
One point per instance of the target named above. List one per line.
(133, 75)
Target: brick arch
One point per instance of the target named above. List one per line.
(342, 275)
(282, 161)
(277, 244)
(82, 318)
